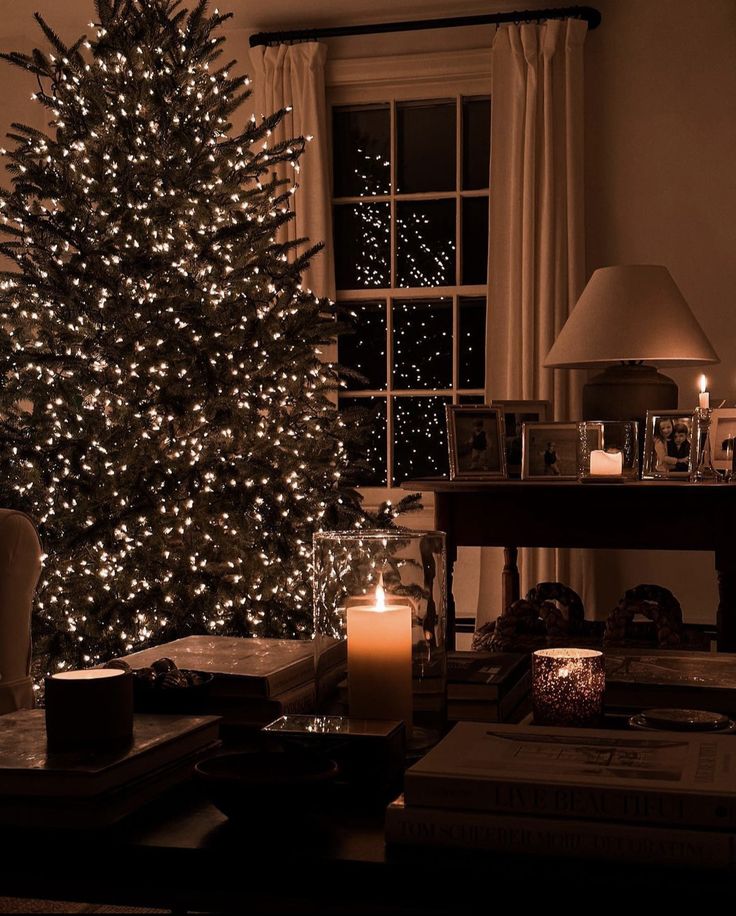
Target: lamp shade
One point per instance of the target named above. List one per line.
(631, 313)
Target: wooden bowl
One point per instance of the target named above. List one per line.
(272, 789)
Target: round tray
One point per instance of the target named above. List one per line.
(682, 720)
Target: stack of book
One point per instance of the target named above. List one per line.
(486, 686)
(88, 790)
(254, 680)
(664, 797)
(636, 679)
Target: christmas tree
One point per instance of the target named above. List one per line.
(165, 415)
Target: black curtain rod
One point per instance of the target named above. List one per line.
(588, 13)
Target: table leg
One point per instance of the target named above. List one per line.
(726, 617)
(509, 577)
(443, 521)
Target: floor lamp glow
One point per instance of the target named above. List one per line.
(629, 320)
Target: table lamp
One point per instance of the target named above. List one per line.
(630, 319)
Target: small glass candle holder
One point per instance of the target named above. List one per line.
(384, 593)
(608, 450)
(567, 686)
(705, 470)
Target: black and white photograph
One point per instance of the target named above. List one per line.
(670, 445)
(515, 415)
(551, 451)
(475, 441)
(723, 437)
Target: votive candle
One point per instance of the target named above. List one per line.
(568, 686)
(606, 464)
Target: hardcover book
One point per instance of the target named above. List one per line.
(650, 777)
(557, 836)
(243, 666)
(490, 710)
(695, 680)
(159, 741)
(484, 675)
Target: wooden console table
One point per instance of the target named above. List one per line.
(641, 515)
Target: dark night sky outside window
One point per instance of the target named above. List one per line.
(411, 195)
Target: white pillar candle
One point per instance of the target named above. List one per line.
(704, 396)
(379, 660)
(606, 464)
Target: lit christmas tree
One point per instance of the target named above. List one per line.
(165, 417)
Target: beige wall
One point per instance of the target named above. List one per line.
(661, 189)
(660, 165)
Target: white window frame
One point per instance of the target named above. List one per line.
(395, 78)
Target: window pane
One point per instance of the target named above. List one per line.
(425, 245)
(420, 437)
(361, 143)
(362, 236)
(472, 348)
(475, 240)
(425, 146)
(422, 343)
(364, 348)
(476, 143)
(471, 399)
(371, 464)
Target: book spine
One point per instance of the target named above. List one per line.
(641, 695)
(261, 710)
(558, 837)
(570, 801)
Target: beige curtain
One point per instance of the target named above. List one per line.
(294, 76)
(536, 254)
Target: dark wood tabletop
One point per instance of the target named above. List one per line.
(182, 854)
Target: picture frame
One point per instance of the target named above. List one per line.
(515, 415)
(470, 426)
(670, 453)
(722, 431)
(551, 451)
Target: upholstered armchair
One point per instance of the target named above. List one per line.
(20, 567)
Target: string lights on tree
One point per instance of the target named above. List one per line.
(165, 410)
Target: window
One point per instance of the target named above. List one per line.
(410, 207)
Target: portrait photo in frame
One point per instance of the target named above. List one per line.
(670, 445)
(515, 415)
(551, 451)
(723, 437)
(475, 442)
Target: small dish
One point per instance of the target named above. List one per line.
(682, 720)
(278, 788)
(154, 696)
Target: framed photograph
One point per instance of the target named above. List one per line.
(551, 451)
(475, 440)
(515, 415)
(670, 445)
(722, 437)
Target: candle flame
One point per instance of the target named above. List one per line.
(703, 384)
(380, 596)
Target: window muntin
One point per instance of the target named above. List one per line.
(411, 249)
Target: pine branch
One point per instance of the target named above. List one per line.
(51, 35)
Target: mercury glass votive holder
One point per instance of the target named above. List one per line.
(384, 594)
(608, 448)
(567, 686)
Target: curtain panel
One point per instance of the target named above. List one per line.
(536, 266)
(294, 76)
